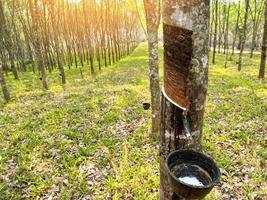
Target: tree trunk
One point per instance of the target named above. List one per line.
(236, 29)
(256, 18)
(3, 85)
(92, 63)
(36, 40)
(215, 32)
(6, 32)
(186, 47)
(152, 20)
(227, 33)
(253, 39)
(56, 34)
(219, 28)
(211, 24)
(61, 67)
(224, 26)
(264, 46)
(243, 35)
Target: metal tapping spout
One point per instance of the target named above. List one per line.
(188, 133)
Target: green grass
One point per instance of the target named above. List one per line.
(89, 139)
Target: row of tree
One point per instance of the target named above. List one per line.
(236, 25)
(46, 35)
(186, 48)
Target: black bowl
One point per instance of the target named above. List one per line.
(192, 174)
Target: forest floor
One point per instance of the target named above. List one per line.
(89, 139)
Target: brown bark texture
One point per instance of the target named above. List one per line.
(152, 10)
(243, 35)
(256, 16)
(226, 42)
(3, 85)
(8, 43)
(264, 46)
(215, 32)
(236, 28)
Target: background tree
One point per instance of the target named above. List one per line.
(256, 11)
(229, 28)
(236, 28)
(226, 35)
(8, 42)
(3, 85)
(243, 35)
(264, 45)
(47, 35)
(215, 31)
(152, 11)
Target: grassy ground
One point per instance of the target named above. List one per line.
(89, 139)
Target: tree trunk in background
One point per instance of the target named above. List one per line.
(51, 33)
(215, 32)
(243, 36)
(236, 28)
(256, 18)
(264, 45)
(56, 34)
(219, 28)
(3, 85)
(186, 47)
(227, 33)
(224, 26)
(8, 40)
(37, 42)
(211, 23)
(254, 29)
(152, 10)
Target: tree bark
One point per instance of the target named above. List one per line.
(56, 36)
(254, 32)
(243, 35)
(226, 43)
(219, 28)
(226, 33)
(264, 46)
(3, 85)
(8, 40)
(186, 47)
(36, 40)
(211, 23)
(224, 26)
(236, 28)
(152, 10)
(256, 16)
(215, 32)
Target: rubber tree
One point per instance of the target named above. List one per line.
(256, 16)
(9, 44)
(212, 3)
(215, 31)
(186, 47)
(236, 29)
(243, 35)
(264, 45)
(152, 11)
(3, 85)
(226, 36)
(36, 40)
(55, 24)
